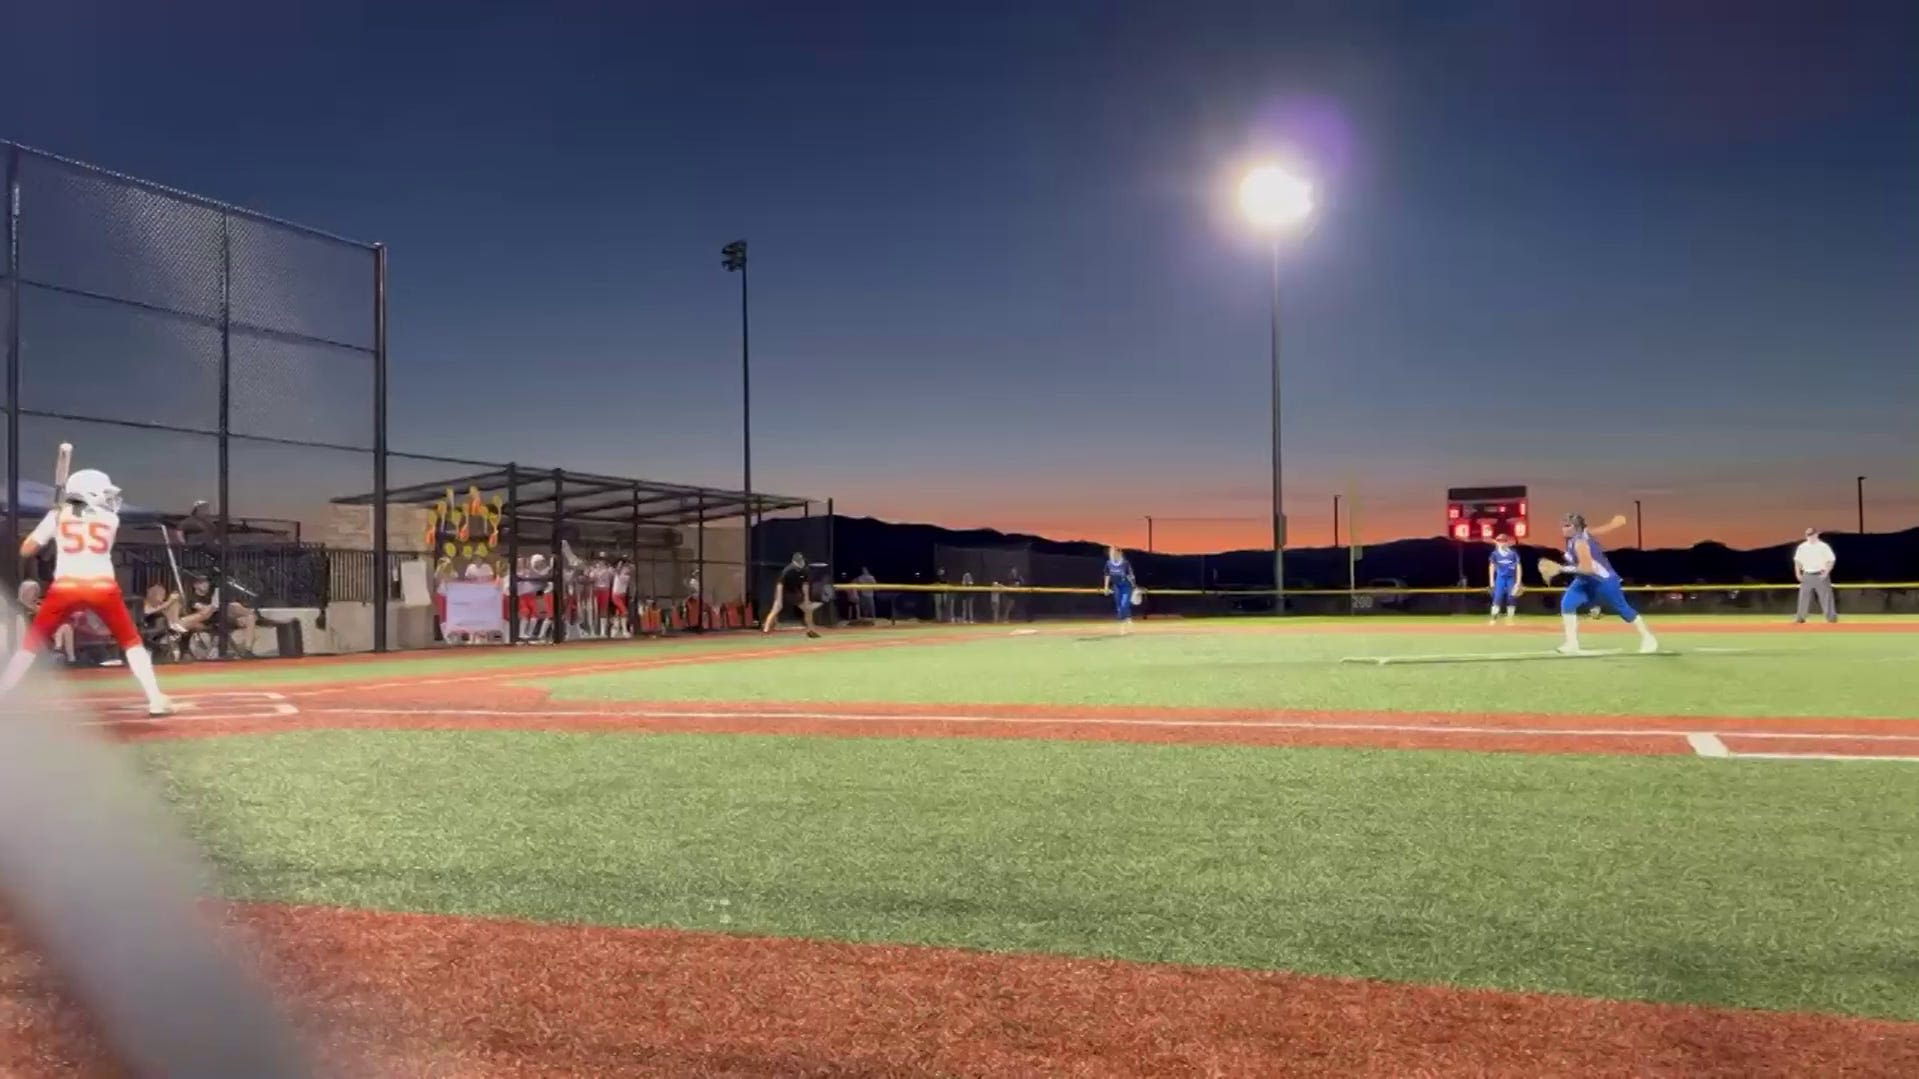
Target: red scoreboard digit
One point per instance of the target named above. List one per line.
(1480, 513)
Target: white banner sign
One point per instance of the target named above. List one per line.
(473, 607)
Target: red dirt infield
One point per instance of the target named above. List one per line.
(435, 995)
(426, 706)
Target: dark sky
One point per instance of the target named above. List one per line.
(1621, 250)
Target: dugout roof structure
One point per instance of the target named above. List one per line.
(551, 496)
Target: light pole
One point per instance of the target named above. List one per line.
(733, 257)
(1860, 488)
(1149, 535)
(1639, 523)
(1278, 204)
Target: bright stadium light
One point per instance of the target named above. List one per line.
(1279, 203)
(1274, 199)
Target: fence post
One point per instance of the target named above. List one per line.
(634, 578)
(832, 571)
(382, 593)
(220, 596)
(635, 622)
(513, 550)
(562, 580)
(699, 564)
(13, 366)
(757, 524)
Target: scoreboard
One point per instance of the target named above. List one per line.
(1480, 513)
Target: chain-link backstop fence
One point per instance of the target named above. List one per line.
(226, 370)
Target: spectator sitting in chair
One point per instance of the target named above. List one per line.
(160, 622)
(242, 626)
(30, 605)
(196, 617)
(204, 618)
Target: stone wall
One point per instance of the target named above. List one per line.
(350, 528)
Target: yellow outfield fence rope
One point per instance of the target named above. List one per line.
(1026, 590)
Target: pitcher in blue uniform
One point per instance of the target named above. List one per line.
(1594, 581)
(1502, 569)
(1119, 584)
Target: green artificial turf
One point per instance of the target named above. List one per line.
(1786, 674)
(1787, 886)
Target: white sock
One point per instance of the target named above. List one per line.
(1571, 622)
(16, 670)
(140, 662)
(1645, 631)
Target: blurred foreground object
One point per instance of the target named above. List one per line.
(104, 888)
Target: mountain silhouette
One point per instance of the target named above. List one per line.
(901, 553)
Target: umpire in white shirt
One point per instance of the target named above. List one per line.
(1812, 567)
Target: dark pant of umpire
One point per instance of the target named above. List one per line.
(1819, 584)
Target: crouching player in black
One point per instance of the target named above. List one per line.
(793, 588)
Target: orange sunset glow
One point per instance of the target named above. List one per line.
(1737, 516)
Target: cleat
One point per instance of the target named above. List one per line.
(1567, 650)
(1648, 646)
(160, 708)
(813, 634)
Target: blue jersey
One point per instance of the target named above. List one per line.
(1505, 563)
(1602, 569)
(1119, 573)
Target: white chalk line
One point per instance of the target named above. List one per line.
(1822, 757)
(1099, 721)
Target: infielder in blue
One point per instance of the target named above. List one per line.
(1502, 569)
(1120, 584)
(1594, 581)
